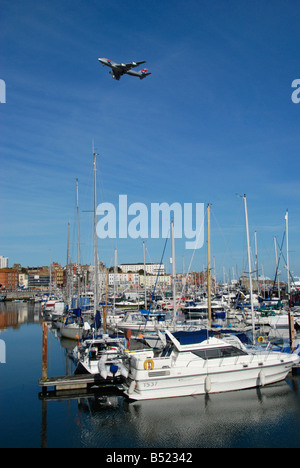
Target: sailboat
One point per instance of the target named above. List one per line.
(99, 353)
(74, 327)
(150, 325)
(75, 324)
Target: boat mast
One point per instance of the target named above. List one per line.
(50, 274)
(173, 270)
(277, 268)
(290, 314)
(96, 288)
(256, 262)
(208, 268)
(287, 253)
(115, 277)
(145, 289)
(249, 265)
(69, 284)
(78, 256)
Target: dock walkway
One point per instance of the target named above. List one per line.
(74, 382)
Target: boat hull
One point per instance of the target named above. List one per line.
(72, 333)
(176, 382)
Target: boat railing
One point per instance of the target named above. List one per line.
(195, 360)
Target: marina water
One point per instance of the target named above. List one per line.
(265, 417)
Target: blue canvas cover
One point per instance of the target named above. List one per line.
(193, 337)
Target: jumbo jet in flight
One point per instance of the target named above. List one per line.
(119, 69)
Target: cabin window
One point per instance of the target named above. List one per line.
(218, 353)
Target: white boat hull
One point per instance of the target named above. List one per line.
(168, 379)
(72, 333)
(202, 384)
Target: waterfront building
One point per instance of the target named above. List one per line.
(151, 268)
(120, 279)
(137, 280)
(23, 280)
(38, 278)
(3, 262)
(57, 273)
(162, 281)
(9, 279)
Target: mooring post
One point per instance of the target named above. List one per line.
(45, 352)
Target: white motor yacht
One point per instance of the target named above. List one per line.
(198, 363)
(102, 355)
(54, 308)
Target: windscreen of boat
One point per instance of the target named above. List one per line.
(221, 352)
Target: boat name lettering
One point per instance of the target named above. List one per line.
(150, 384)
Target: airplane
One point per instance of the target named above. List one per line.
(119, 69)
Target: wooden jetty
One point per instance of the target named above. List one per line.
(76, 382)
(70, 382)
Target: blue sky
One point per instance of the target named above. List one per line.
(214, 120)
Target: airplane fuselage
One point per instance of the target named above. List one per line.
(119, 69)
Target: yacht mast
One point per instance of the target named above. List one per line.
(115, 279)
(69, 283)
(290, 314)
(96, 266)
(249, 265)
(208, 268)
(277, 268)
(256, 262)
(78, 256)
(173, 270)
(287, 253)
(50, 274)
(145, 289)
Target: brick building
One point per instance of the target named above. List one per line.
(9, 279)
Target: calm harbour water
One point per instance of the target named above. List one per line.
(267, 417)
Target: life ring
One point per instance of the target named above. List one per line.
(260, 339)
(149, 364)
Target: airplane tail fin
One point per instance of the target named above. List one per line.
(144, 73)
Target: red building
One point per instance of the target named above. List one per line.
(9, 279)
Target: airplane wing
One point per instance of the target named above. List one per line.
(136, 64)
(128, 66)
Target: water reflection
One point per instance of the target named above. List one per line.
(107, 419)
(14, 314)
(199, 421)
